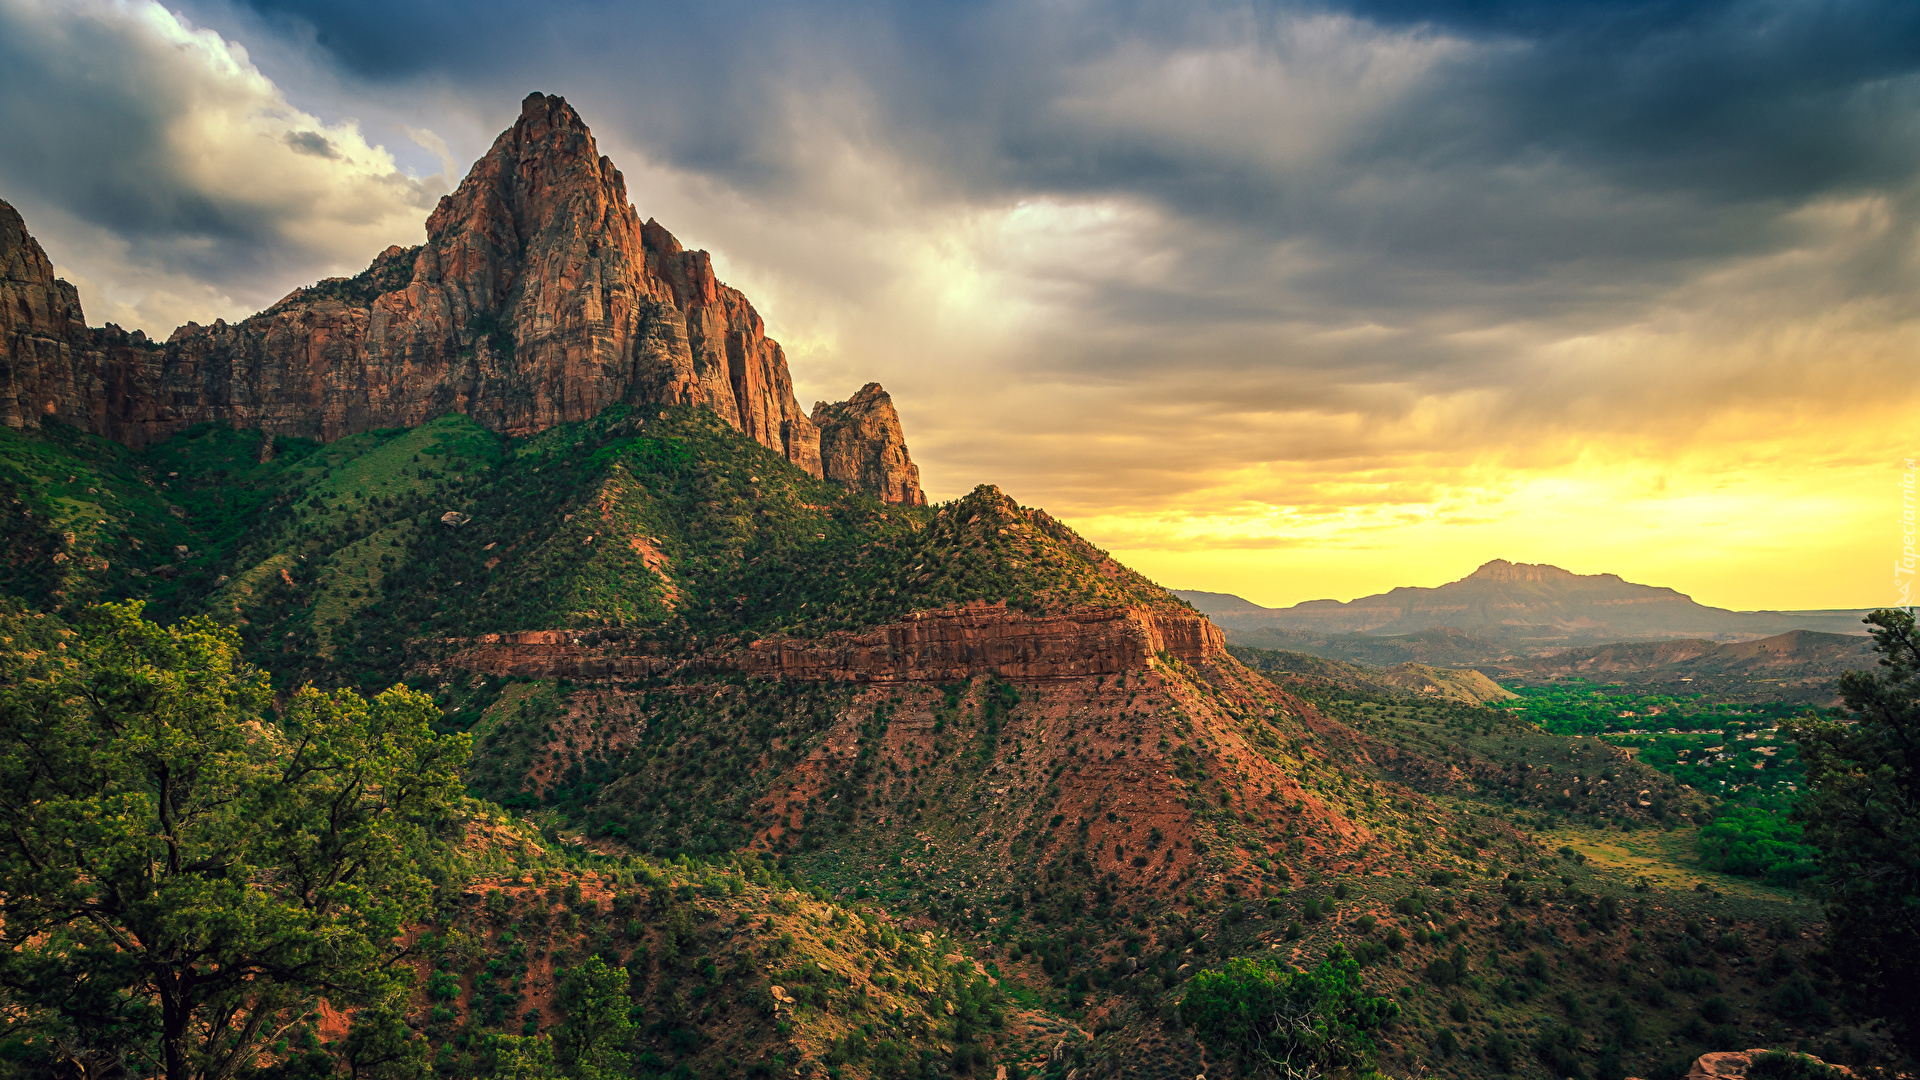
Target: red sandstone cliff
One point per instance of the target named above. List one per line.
(929, 646)
(862, 446)
(51, 364)
(540, 297)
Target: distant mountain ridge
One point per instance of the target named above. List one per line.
(1520, 604)
(1295, 669)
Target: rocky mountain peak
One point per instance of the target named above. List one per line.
(35, 302)
(539, 298)
(862, 446)
(542, 179)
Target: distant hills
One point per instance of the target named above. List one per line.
(1441, 646)
(1511, 607)
(1796, 665)
(1304, 669)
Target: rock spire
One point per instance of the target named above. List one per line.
(862, 446)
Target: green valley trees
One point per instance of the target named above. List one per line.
(181, 877)
(1271, 1017)
(1863, 814)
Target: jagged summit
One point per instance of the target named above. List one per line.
(539, 297)
(862, 446)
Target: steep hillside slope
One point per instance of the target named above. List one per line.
(960, 721)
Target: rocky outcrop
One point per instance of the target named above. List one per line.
(929, 646)
(1734, 1064)
(862, 446)
(44, 346)
(51, 365)
(540, 297)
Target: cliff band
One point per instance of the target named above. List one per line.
(929, 646)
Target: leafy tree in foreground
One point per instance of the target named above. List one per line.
(180, 876)
(1271, 1017)
(1863, 814)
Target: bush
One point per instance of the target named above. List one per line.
(1776, 1065)
(1796, 1000)
(1610, 1066)
(1500, 1050)
(1268, 1015)
(1558, 1048)
(1689, 980)
(1535, 965)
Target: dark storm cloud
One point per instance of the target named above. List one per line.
(97, 145)
(152, 159)
(1562, 144)
(311, 142)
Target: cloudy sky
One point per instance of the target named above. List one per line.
(1287, 300)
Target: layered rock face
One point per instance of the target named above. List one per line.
(958, 643)
(862, 446)
(540, 297)
(932, 646)
(51, 365)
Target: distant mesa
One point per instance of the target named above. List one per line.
(540, 297)
(1516, 604)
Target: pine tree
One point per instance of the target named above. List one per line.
(1863, 814)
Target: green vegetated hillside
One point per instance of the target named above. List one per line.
(999, 870)
(718, 966)
(1418, 680)
(1440, 645)
(667, 527)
